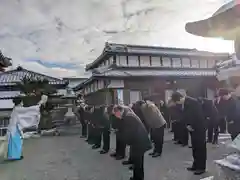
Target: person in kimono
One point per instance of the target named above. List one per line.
(21, 117)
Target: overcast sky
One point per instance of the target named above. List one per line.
(58, 37)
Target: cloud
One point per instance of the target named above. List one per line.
(54, 64)
(75, 33)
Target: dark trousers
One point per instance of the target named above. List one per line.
(222, 125)
(120, 146)
(106, 138)
(151, 135)
(175, 129)
(130, 158)
(158, 139)
(213, 132)
(97, 136)
(84, 128)
(138, 165)
(184, 134)
(234, 130)
(199, 150)
(90, 133)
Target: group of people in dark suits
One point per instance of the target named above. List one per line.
(135, 124)
(132, 125)
(198, 116)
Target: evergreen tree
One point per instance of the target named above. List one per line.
(33, 88)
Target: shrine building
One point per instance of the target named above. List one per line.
(129, 73)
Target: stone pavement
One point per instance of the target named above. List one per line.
(70, 158)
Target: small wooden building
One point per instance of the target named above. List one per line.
(9, 90)
(131, 72)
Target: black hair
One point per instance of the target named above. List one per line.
(118, 108)
(17, 100)
(223, 92)
(176, 96)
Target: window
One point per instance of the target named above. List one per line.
(176, 62)
(110, 60)
(186, 63)
(132, 60)
(195, 63)
(211, 63)
(156, 61)
(122, 60)
(145, 61)
(203, 63)
(166, 62)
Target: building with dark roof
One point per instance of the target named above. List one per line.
(10, 79)
(140, 72)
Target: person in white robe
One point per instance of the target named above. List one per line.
(21, 117)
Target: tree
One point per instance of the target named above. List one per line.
(33, 88)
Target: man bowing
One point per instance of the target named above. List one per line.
(134, 134)
(196, 125)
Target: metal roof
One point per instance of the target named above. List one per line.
(155, 72)
(112, 48)
(14, 76)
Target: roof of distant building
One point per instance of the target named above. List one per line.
(14, 76)
(112, 48)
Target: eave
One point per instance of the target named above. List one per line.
(137, 50)
(223, 23)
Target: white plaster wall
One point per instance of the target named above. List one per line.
(116, 84)
(133, 61)
(186, 62)
(203, 63)
(156, 62)
(135, 96)
(176, 62)
(145, 61)
(166, 62)
(121, 60)
(195, 63)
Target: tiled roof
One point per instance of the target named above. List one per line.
(112, 48)
(14, 76)
(155, 72)
(9, 94)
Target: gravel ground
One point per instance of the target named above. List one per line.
(68, 157)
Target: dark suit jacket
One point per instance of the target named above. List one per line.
(193, 114)
(209, 110)
(134, 133)
(137, 110)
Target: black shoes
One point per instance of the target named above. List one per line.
(126, 162)
(130, 168)
(103, 151)
(156, 155)
(152, 153)
(199, 172)
(196, 172)
(113, 154)
(96, 147)
(191, 169)
(119, 157)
